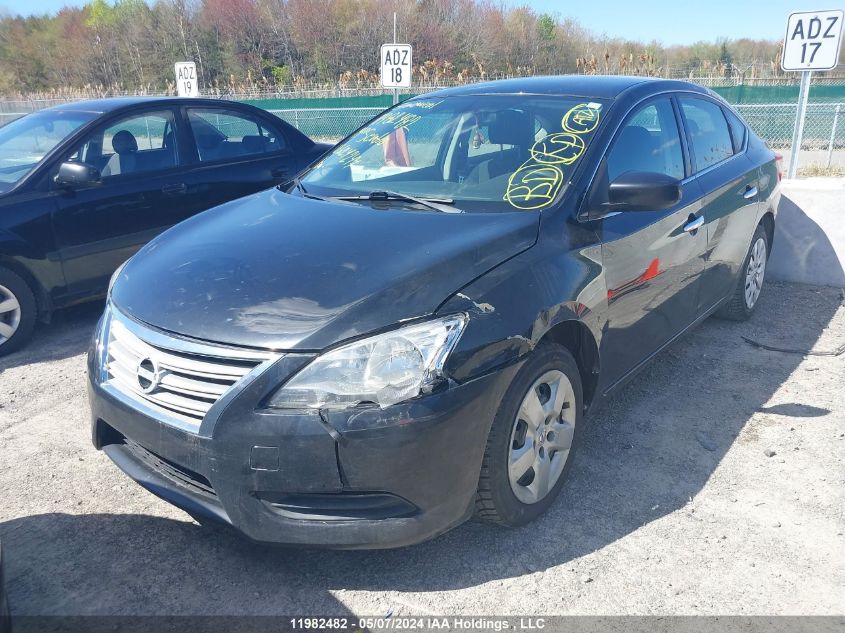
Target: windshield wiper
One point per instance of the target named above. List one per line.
(436, 204)
(297, 184)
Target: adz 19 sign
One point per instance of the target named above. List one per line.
(396, 65)
(812, 40)
(186, 79)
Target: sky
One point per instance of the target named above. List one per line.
(668, 21)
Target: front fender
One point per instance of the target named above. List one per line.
(515, 305)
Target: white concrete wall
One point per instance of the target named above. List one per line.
(810, 233)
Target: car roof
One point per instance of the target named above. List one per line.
(101, 106)
(595, 86)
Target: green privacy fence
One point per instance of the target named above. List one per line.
(819, 93)
(770, 110)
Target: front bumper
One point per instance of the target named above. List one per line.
(368, 478)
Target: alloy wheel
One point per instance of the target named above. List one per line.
(755, 272)
(542, 436)
(10, 314)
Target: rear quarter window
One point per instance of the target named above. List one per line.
(738, 130)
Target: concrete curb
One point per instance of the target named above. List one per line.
(810, 234)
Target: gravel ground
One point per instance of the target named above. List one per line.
(712, 484)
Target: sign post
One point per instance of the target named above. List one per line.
(812, 43)
(186, 79)
(396, 65)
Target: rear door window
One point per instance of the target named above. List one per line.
(708, 132)
(227, 135)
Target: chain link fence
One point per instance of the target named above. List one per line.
(823, 144)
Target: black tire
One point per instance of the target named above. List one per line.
(737, 308)
(12, 285)
(495, 500)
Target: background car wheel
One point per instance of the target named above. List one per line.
(750, 283)
(17, 312)
(533, 439)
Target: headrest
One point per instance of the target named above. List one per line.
(123, 142)
(253, 144)
(208, 141)
(511, 128)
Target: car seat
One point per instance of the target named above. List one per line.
(124, 159)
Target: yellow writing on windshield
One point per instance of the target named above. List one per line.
(537, 182)
(581, 119)
(560, 147)
(533, 186)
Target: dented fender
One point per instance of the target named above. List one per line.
(519, 302)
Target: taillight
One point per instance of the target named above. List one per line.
(779, 165)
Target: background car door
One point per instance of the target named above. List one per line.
(236, 152)
(141, 193)
(728, 179)
(652, 265)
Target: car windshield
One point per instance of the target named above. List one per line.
(24, 142)
(473, 152)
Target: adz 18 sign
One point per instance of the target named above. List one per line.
(396, 65)
(812, 40)
(186, 79)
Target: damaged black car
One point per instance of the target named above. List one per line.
(412, 333)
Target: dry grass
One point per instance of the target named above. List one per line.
(817, 169)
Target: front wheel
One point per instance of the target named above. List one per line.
(17, 312)
(741, 305)
(533, 439)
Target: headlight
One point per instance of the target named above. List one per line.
(383, 369)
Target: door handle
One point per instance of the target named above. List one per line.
(750, 192)
(693, 225)
(279, 172)
(175, 189)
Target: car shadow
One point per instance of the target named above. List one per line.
(647, 453)
(802, 251)
(68, 334)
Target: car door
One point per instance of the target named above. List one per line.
(652, 260)
(140, 193)
(729, 182)
(236, 152)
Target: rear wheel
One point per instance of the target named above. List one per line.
(17, 312)
(750, 283)
(533, 439)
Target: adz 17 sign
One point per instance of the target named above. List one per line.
(186, 79)
(396, 65)
(812, 40)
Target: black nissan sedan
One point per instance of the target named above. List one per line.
(414, 332)
(84, 185)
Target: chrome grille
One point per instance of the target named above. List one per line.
(179, 380)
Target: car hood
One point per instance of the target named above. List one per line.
(288, 273)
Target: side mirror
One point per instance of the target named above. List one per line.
(73, 174)
(643, 191)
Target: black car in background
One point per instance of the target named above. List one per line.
(84, 185)
(413, 334)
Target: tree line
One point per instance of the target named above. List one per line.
(278, 45)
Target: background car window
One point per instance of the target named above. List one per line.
(708, 132)
(26, 141)
(138, 143)
(224, 134)
(737, 130)
(649, 141)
